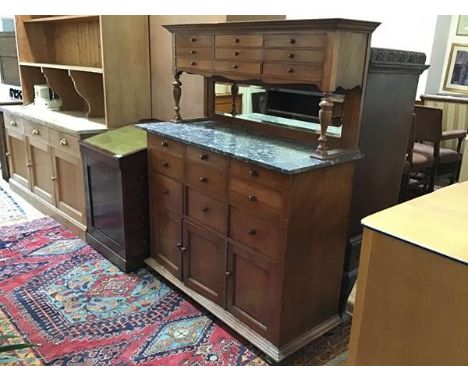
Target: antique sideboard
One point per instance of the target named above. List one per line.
(248, 215)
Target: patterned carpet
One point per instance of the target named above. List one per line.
(10, 211)
(56, 291)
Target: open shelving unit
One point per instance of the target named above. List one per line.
(98, 65)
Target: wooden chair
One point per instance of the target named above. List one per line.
(428, 136)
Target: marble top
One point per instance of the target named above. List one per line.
(269, 152)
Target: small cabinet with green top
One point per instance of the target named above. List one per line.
(116, 184)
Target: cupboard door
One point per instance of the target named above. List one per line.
(69, 186)
(204, 258)
(42, 177)
(166, 239)
(251, 290)
(18, 157)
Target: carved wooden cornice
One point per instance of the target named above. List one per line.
(382, 58)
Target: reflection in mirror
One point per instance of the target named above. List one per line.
(285, 107)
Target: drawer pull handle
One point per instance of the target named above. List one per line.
(7, 154)
(236, 40)
(164, 144)
(179, 245)
(193, 39)
(35, 132)
(252, 232)
(165, 192)
(193, 63)
(235, 53)
(204, 156)
(13, 123)
(228, 273)
(28, 164)
(292, 41)
(253, 198)
(192, 52)
(63, 142)
(291, 55)
(205, 209)
(253, 173)
(235, 66)
(290, 70)
(165, 164)
(53, 179)
(183, 249)
(203, 179)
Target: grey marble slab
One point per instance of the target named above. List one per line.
(269, 152)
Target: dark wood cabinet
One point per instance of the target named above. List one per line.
(116, 195)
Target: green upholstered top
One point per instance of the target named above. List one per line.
(119, 142)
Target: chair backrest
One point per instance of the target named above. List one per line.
(427, 124)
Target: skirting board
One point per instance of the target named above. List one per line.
(277, 354)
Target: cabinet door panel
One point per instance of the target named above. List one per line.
(166, 233)
(69, 187)
(205, 263)
(42, 177)
(18, 157)
(251, 290)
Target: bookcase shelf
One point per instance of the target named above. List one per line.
(67, 19)
(76, 68)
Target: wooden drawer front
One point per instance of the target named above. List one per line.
(195, 53)
(194, 40)
(167, 164)
(207, 158)
(13, 122)
(169, 146)
(238, 54)
(167, 193)
(194, 64)
(239, 40)
(291, 55)
(206, 179)
(262, 235)
(35, 130)
(255, 198)
(237, 67)
(65, 142)
(207, 210)
(294, 71)
(318, 40)
(259, 176)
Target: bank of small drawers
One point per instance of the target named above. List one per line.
(244, 202)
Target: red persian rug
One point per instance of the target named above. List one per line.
(59, 293)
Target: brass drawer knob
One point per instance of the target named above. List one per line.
(203, 179)
(204, 156)
(165, 164)
(235, 66)
(292, 41)
(291, 55)
(63, 142)
(253, 198)
(205, 209)
(13, 123)
(7, 154)
(179, 245)
(165, 192)
(253, 173)
(236, 40)
(252, 232)
(290, 70)
(28, 164)
(193, 39)
(193, 63)
(183, 249)
(35, 132)
(163, 144)
(228, 273)
(53, 179)
(192, 52)
(235, 53)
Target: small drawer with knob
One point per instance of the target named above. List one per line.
(207, 157)
(195, 53)
(13, 122)
(194, 64)
(166, 164)
(257, 175)
(36, 131)
(188, 40)
(238, 54)
(262, 235)
(206, 179)
(207, 210)
(237, 66)
(158, 143)
(297, 72)
(167, 193)
(309, 40)
(64, 142)
(248, 40)
(294, 56)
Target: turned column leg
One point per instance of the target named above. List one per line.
(177, 92)
(234, 92)
(325, 117)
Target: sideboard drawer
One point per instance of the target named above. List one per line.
(167, 164)
(167, 193)
(207, 210)
(195, 53)
(296, 72)
(238, 54)
(257, 175)
(237, 67)
(155, 142)
(64, 141)
(194, 64)
(206, 157)
(262, 235)
(239, 40)
(194, 40)
(309, 40)
(13, 122)
(294, 55)
(206, 179)
(35, 130)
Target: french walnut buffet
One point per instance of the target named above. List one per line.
(248, 218)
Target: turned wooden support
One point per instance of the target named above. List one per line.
(177, 92)
(325, 117)
(234, 92)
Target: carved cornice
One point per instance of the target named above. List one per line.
(381, 59)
